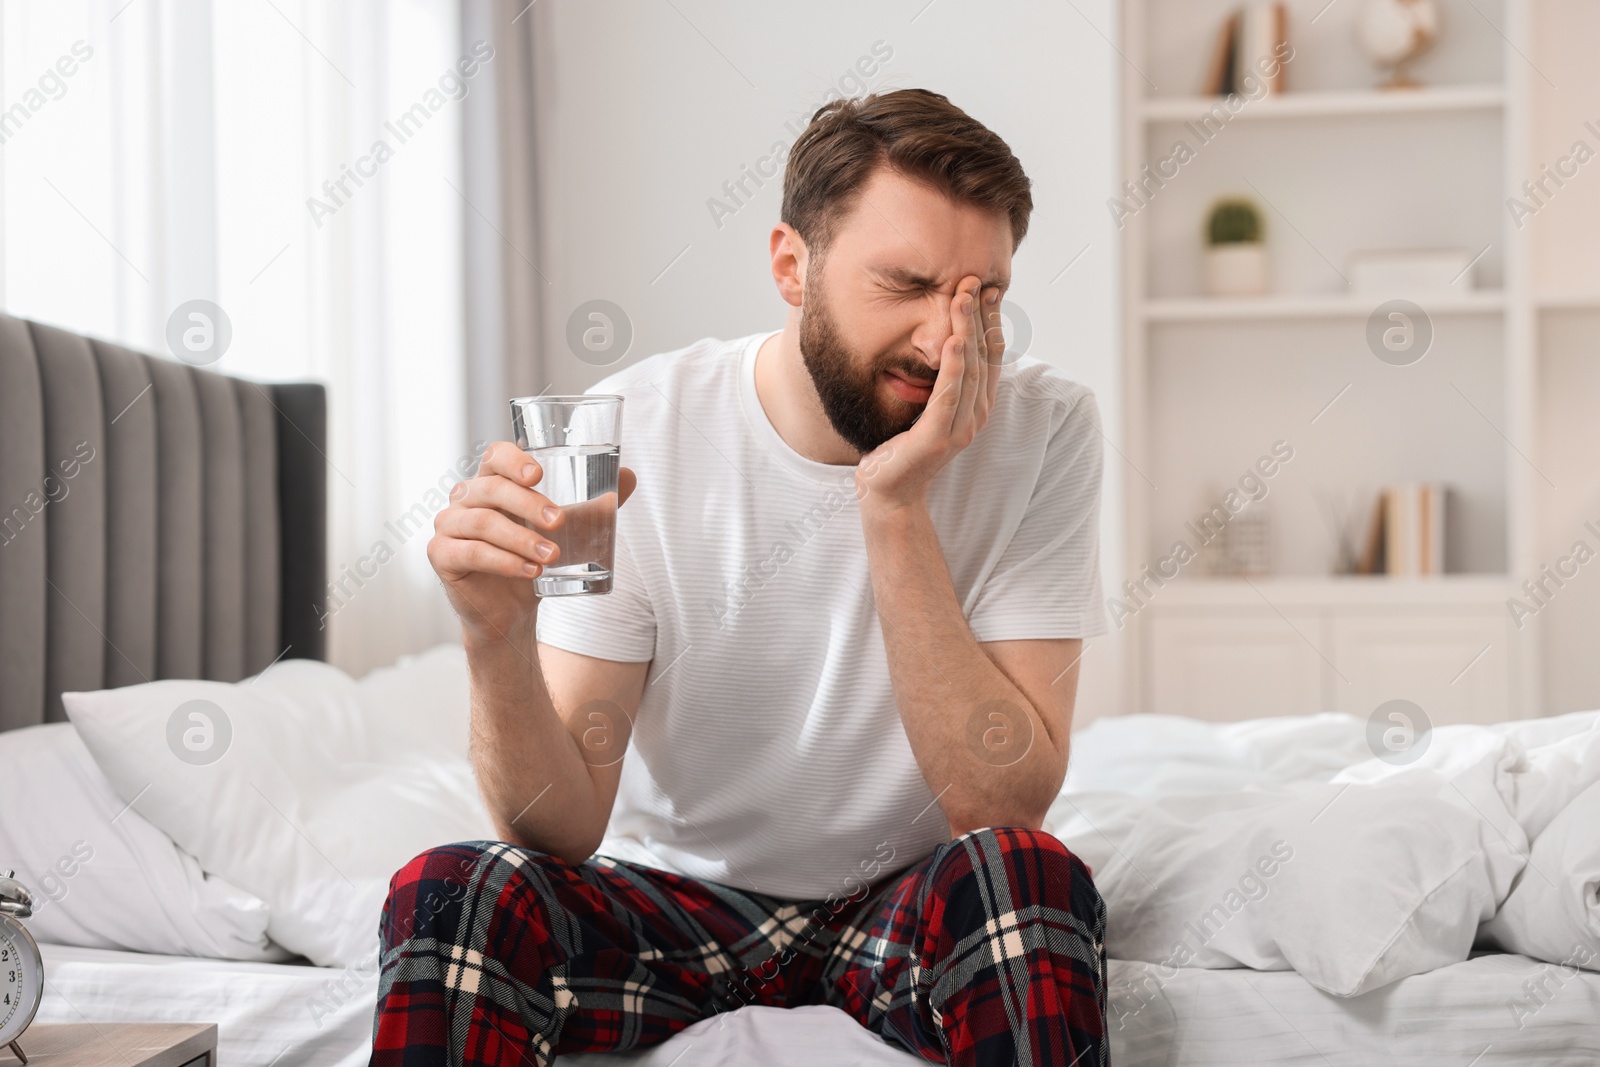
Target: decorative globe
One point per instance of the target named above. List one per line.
(1395, 32)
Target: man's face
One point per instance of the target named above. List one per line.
(875, 312)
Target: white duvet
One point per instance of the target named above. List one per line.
(1284, 843)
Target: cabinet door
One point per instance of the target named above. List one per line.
(1452, 665)
(1225, 667)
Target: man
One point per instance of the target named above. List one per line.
(840, 657)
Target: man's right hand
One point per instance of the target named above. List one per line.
(488, 544)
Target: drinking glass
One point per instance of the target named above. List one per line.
(577, 443)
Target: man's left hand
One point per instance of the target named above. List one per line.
(897, 473)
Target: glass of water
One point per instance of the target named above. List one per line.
(576, 441)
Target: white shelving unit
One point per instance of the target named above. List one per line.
(1337, 166)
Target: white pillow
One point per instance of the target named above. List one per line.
(319, 788)
(1553, 912)
(103, 877)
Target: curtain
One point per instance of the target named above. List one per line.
(506, 291)
(296, 164)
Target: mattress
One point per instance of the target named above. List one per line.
(1491, 1009)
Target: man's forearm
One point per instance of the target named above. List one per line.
(966, 721)
(534, 780)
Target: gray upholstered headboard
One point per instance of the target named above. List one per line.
(157, 520)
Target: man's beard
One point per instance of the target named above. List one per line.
(847, 388)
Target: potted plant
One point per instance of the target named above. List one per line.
(1236, 260)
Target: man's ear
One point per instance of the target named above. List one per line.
(788, 263)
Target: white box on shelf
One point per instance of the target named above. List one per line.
(1411, 272)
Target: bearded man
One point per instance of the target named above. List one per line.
(802, 752)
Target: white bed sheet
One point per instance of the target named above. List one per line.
(1457, 1016)
(266, 1013)
(286, 1015)
(283, 1014)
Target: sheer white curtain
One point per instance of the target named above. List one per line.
(297, 162)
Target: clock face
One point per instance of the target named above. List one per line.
(21, 979)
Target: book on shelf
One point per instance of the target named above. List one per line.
(1406, 537)
(1249, 43)
(1219, 75)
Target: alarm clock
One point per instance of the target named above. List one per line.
(21, 967)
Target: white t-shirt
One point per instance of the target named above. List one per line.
(768, 751)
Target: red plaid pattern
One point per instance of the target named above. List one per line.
(989, 952)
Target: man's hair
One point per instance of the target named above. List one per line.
(918, 133)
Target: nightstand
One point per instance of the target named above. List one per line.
(117, 1045)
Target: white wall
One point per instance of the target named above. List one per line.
(648, 108)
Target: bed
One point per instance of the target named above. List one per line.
(278, 1013)
(1278, 892)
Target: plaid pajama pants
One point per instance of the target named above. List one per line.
(989, 952)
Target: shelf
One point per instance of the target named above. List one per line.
(1331, 305)
(1489, 590)
(1571, 300)
(1359, 102)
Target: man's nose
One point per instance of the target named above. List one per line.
(934, 329)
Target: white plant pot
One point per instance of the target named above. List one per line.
(1236, 270)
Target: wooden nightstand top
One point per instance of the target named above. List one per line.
(117, 1045)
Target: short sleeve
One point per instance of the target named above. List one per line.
(1047, 582)
(619, 625)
